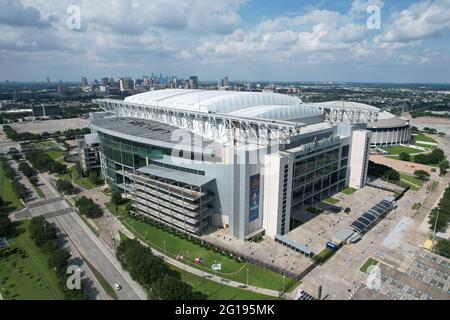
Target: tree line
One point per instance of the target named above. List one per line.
(433, 158)
(9, 172)
(160, 282)
(69, 134)
(44, 236)
(440, 215)
(43, 162)
(383, 172)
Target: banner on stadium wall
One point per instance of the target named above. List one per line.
(254, 197)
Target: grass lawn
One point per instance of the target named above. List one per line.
(424, 138)
(367, 264)
(175, 245)
(57, 155)
(12, 201)
(395, 150)
(81, 181)
(38, 191)
(86, 183)
(415, 183)
(217, 291)
(30, 278)
(427, 146)
(349, 191)
(331, 200)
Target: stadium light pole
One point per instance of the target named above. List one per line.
(284, 277)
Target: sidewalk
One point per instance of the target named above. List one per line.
(196, 271)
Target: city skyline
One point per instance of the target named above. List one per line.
(245, 40)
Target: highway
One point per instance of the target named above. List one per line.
(82, 242)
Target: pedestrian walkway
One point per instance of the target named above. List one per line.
(198, 272)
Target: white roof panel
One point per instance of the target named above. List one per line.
(241, 104)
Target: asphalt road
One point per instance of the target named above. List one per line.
(104, 261)
(93, 249)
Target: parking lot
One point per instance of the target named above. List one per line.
(50, 126)
(426, 279)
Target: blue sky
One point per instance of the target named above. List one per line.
(243, 39)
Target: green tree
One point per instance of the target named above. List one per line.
(442, 248)
(78, 169)
(19, 189)
(34, 181)
(391, 175)
(25, 169)
(436, 156)
(171, 288)
(5, 225)
(405, 156)
(422, 175)
(64, 186)
(128, 208)
(153, 274)
(116, 200)
(50, 246)
(88, 208)
(443, 167)
(93, 177)
(41, 231)
(58, 259)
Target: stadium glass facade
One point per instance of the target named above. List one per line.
(184, 205)
(119, 153)
(318, 176)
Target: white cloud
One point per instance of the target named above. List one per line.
(140, 32)
(420, 21)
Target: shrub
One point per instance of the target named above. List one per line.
(88, 208)
(64, 186)
(404, 156)
(422, 175)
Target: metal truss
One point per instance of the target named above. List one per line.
(224, 128)
(342, 115)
